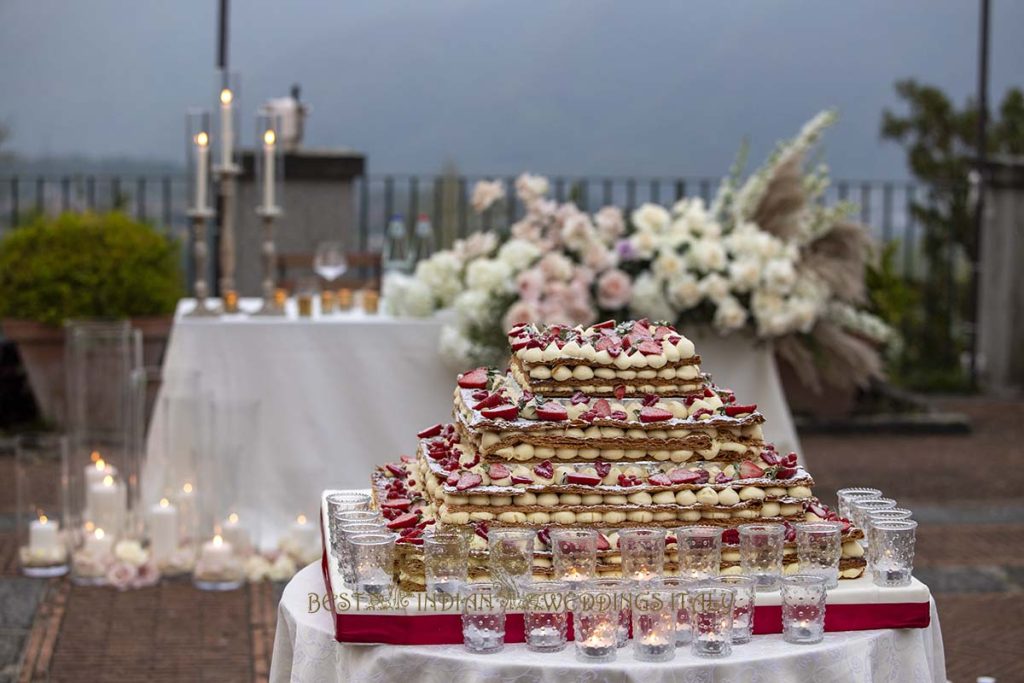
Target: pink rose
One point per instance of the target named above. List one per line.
(520, 312)
(614, 289)
(530, 283)
(146, 575)
(555, 266)
(597, 257)
(609, 223)
(527, 229)
(486, 193)
(121, 575)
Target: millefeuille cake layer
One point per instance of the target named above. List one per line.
(606, 359)
(505, 422)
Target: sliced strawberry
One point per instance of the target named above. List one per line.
(790, 532)
(789, 460)
(495, 398)
(722, 478)
(481, 530)
(652, 414)
(818, 510)
(582, 478)
(519, 343)
(604, 325)
(396, 470)
(650, 399)
(674, 339)
(579, 397)
(430, 432)
(659, 480)
(545, 470)
(749, 470)
(620, 391)
(498, 471)
(480, 394)
(602, 542)
(408, 459)
(785, 473)
(544, 536)
(602, 408)
(468, 480)
(733, 411)
(521, 479)
(770, 457)
(606, 343)
(403, 521)
(649, 348)
(708, 393)
(641, 325)
(731, 536)
(618, 415)
(396, 504)
(452, 479)
(603, 468)
(552, 411)
(474, 379)
(684, 476)
(502, 412)
(700, 413)
(628, 480)
(846, 525)
(411, 541)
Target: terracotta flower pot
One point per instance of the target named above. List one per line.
(41, 348)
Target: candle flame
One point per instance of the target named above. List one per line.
(94, 456)
(269, 137)
(89, 526)
(99, 533)
(187, 488)
(202, 139)
(217, 540)
(164, 502)
(233, 518)
(108, 480)
(301, 519)
(226, 96)
(43, 518)
(101, 464)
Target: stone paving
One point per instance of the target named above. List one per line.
(965, 491)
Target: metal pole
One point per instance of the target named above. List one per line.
(981, 164)
(222, 36)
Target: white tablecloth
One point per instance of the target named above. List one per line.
(344, 393)
(305, 650)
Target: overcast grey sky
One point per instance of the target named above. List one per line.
(560, 86)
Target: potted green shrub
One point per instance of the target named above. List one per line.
(83, 265)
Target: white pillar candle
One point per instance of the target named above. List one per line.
(216, 551)
(94, 474)
(43, 536)
(186, 499)
(202, 164)
(304, 536)
(269, 141)
(98, 543)
(107, 504)
(227, 131)
(235, 533)
(163, 530)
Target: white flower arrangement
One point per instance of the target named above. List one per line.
(689, 263)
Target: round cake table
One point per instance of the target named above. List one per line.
(305, 650)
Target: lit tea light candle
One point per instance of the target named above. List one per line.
(163, 530)
(217, 551)
(98, 543)
(107, 503)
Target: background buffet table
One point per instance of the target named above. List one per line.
(341, 394)
(305, 650)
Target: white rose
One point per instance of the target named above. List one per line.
(730, 315)
(454, 346)
(518, 254)
(556, 266)
(707, 254)
(256, 568)
(407, 296)
(744, 274)
(779, 275)
(649, 299)
(643, 243)
(283, 568)
(441, 274)
(577, 230)
(471, 307)
(715, 287)
(768, 246)
(486, 193)
(667, 265)
(531, 187)
(488, 275)
(651, 217)
(685, 291)
(131, 552)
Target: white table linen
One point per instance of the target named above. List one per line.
(342, 394)
(305, 650)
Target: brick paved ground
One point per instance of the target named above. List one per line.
(965, 491)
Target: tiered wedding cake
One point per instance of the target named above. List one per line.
(612, 426)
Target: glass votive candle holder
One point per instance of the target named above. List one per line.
(819, 546)
(711, 610)
(681, 589)
(483, 618)
(349, 530)
(445, 561)
(218, 567)
(643, 554)
(846, 496)
(595, 615)
(862, 507)
(510, 554)
(345, 518)
(699, 550)
(344, 300)
(618, 590)
(761, 554)
(373, 561)
(892, 552)
(574, 554)
(743, 606)
(654, 624)
(344, 501)
(545, 615)
(803, 608)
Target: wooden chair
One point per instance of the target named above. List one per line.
(365, 270)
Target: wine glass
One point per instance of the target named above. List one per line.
(329, 261)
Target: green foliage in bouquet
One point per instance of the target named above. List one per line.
(87, 265)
